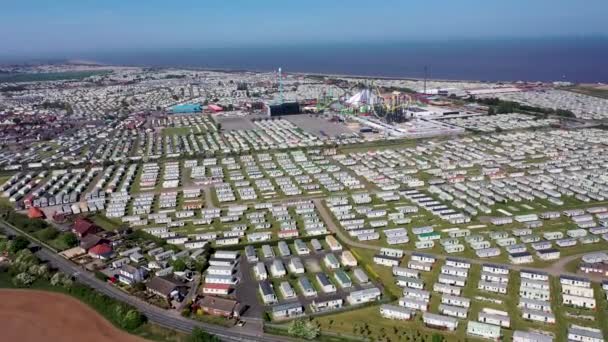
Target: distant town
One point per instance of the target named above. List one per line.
(271, 206)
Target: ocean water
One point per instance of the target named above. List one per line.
(575, 60)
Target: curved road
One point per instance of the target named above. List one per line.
(165, 318)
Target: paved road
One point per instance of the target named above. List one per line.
(555, 269)
(169, 319)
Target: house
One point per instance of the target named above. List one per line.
(287, 310)
(101, 251)
(455, 301)
(295, 266)
(396, 312)
(483, 330)
(342, 279)
(364, 296)
(267, 292)
(327, 303)
(447, 289)
(535, 304)
(216, 306)
(91, 240)
(131, 275)
(167, 288)
(439, 321)
(534, 275)
(414, 303)
(492, 286)
(83, 227)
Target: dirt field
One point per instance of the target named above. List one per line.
(36, 315)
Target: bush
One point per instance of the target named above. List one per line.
(199, 335)
(69, 239)
(303, 329)
(48, 234)
(18, 243)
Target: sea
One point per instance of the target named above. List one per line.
(579, 60)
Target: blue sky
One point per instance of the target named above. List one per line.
(29, 27)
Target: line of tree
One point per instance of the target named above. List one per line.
(498, 106)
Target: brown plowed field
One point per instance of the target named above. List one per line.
(36, 316)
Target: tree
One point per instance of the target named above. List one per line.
(199, 335)
(69, 239)
(48, 233)
(303, 329)
(179, 265)
(132, 320)
(18, 243)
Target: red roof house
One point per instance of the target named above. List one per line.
(35, 213)
(101, 251)
(83, 227)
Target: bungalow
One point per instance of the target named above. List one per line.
(575, 281)
(396, 312)
(219, 289)
(492, 287)
(260, 271)
(333, 244)
(425, 258)
(548, 254)
(439, 321)
(327, 303)
(364, 296)
(535, 304)
(343, 279)
(410, 282)
(296, 266)
(386, 260)
(167, 288)
(452, 262)
(534, 293)
(347, 259)
(525, 336)
(307, 288)
(83, 227)
(417, 265)
(452, 280)
(495, 317)
(250, 253)
(216, 306)
(405, 272)
(493, 277)
(495, 269)
(483, 330)
(220, 270)
(488, 252)
(584, 334)
(414, 303)
(360, 275)
(324, 283)
(454, 311)
(455, 301)
(301, 247)
(447, 289)
(277, 269)
(538, 316)
(534, 275)
(286, 290)
(267, 252)
(519, 248)
(267, 292)
(331, 261)
(455, 271)
(579, 301)
(287, 310)
(521, 258)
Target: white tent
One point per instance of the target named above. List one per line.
(364, 97)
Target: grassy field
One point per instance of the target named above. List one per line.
(590, 90)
